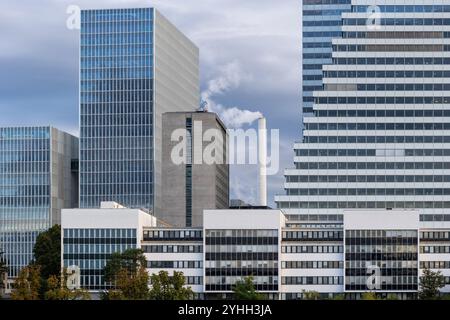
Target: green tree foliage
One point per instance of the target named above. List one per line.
(165, 287)
(430, 284)
(369, 296)
(311, 295)
(3, 271)
(27, 284)
(127, 273)
(47, 252)
(47, 255)
(57, 290)
(245, 290)
(112, 295)
(131, 260)
(392, 296)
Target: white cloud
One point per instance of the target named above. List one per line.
(261, 37)
(235, 117)
(230, 78)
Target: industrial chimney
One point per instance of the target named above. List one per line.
(262, 161)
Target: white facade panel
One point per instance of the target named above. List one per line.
(381, 220)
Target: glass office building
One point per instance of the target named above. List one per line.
(380, 134)
(36, 182)
(135, 65)
(321, 22)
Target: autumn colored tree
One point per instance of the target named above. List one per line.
(57, 289)
(369, 296)
(27, 284)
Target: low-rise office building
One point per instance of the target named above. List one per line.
(382, 251)
(90, 236)
(175, 249)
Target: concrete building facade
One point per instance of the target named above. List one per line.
(191, 182)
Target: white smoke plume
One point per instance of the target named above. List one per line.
(230, 78)
(244, 192)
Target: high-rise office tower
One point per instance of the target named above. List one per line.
(380, 134)
(321, 21)
(37, 180)
(197, 183)
(135, 65)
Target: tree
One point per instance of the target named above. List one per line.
(369, 296)
(165, 287)
(27, 284)
(131, 260)
(3, 272)
(430, 284)
(47, 252)
(57, 289)
(392, 296)
(245, 290)
(128, 275)
(311, 295)
(47, 255)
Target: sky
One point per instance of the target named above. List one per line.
(251, 45)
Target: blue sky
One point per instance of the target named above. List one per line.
(261, 38)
